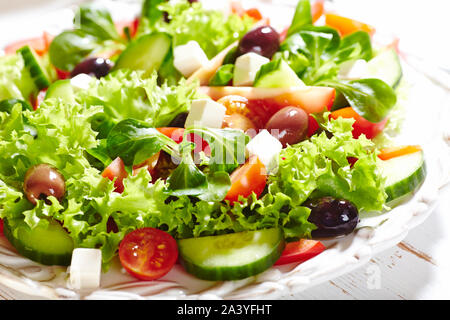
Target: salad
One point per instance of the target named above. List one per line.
(197, 137)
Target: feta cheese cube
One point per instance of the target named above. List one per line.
(85, 268)
(81, 81)
(205, 113)
(189, 57)
(267, 148)
(246, 67)
(353, 70)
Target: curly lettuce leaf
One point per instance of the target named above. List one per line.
(320, 167)
(125, 94)
(212, 29)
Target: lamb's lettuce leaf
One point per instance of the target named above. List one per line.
(94, 31)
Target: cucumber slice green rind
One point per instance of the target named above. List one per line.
(48, 246)
(61, 89)
(407, 182)
(231, 256)
(146, 53)
(386, 66)
(37, 72)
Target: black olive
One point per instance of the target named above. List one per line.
(333, 217)
(97, 67)
(264, 41)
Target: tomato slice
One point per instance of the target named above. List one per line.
(250, 177)
(393, 152)
(345, 25)
(361, 125)
(300, 251)
(148, 253)
(116, 172)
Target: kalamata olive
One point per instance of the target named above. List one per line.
(179, 120)
(263, 40)
(289, 125)
(96, 67)
(42, 181)
(333, 217)
(237, 121)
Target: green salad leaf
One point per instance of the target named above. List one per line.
(126, 94)
(212, 29)
(135, 141)
(325, 51)
(94, 20)
(94, 31)
(372, 99)
(302, 17)
(222, 76)
(320, 166)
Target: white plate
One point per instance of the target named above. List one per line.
(342, 256)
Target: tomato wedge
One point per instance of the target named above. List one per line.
(250, 177)
(393, 152)
(176, 134)
(116, 172)
(300, 251)
(345, 25)
(148, 253)
(1, 226)
(361, 125)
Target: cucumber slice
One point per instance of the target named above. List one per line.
(61, 89)
(404, 175)
(145, 53)
(277, 74)
(386, 66)
(50, 245)
(231, 256)
(37, 71)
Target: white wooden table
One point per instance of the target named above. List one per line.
(418, 267)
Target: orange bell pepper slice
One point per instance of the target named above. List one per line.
(393, 152)
(345, 25)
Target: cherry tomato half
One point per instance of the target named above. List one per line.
(116, 170)
(148, 253)
(300, 251)
(250, 177)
